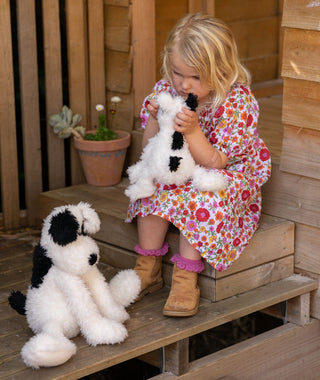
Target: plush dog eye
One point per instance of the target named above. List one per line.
(93, 259)
(82, 230)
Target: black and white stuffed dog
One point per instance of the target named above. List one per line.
(167, 159)
(68, 294)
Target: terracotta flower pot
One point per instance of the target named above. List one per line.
(103, 161)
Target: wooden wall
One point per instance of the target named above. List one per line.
(295, 191)
(38, 74)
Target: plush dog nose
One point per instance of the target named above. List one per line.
(93, 258)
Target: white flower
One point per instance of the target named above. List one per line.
(116, 99)
(99, 107)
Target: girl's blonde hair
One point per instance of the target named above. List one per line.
(207, 45)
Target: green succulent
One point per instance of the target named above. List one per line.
(65, 123)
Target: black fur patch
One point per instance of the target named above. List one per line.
(41, 266)
(17, 301)
(177, 141)
(192, 101)
(174, 163)
(64, 228)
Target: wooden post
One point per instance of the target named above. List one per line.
(8, 140)
(78, 73)
(96, 58)
(53, 88)
(144, 50)
(29, 90)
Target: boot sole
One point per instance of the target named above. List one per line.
(151, 289)
(172, 313)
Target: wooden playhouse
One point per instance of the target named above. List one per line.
(111, 47)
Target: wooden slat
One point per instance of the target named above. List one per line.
(231, 10)
(117, 28)
(301, 54)
(53, 90)
(29, 94)
(96, 58)
(119, 71)
(253, 278)
(249, 34)
(293, 197)
(8, 139)
(144, 60)
(301, 103)
(303, 14)
(300, 151)
(77, 72)
(307, 245)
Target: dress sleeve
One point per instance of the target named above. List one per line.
(237, 135)
(160, 86)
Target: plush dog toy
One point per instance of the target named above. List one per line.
(167, 159)
(68, 294)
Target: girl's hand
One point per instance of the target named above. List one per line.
(153, 108)
(186, 121)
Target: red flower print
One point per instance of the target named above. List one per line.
(219, 112)
(240, 222)
(254, 208)
(236, 242)
(249, 120)
(220, 225)
(245, 90)
(264, 154)
(213, 139)
(202, 214)
(245, 195)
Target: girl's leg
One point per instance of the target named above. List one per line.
(183, 300)
(152, 231)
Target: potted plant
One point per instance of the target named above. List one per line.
(102, 150)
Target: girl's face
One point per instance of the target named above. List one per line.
(185, 79)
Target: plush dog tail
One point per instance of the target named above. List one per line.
(17, 301)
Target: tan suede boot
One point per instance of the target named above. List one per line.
(183, 300)
(149, 269)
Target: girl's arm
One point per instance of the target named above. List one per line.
(152, 127)
(201, 149)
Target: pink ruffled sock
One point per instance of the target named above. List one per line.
(152, 252)
(187, 264)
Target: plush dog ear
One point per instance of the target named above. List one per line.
(64, 228)
(91, 221)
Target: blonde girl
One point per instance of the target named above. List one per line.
(200, 56)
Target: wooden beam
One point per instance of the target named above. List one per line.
(30, 113)
(8, 139)
(53, 90)
(78, 78)
(144, 50)
(96, 58)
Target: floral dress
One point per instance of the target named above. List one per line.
(219, 225)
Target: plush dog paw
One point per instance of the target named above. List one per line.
(125, 287)
(105, 331)
(44, 350)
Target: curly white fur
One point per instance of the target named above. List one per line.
(73, 296)
(154, 161)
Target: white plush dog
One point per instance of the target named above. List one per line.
(167, 159)
(68, 294)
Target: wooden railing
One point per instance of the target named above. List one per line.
(37, 39)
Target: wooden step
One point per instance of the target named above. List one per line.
(146, 315)
(269, 256)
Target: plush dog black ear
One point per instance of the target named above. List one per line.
(64, 228)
